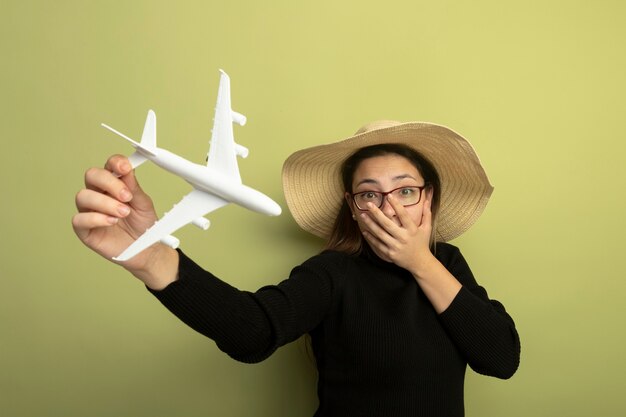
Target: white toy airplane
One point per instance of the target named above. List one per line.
(215, 185)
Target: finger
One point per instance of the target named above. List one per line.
(140, 200)
(427, 215)
(385, 222)
(119, 165)
(374, 241)
(122, 168)
(83, 223)
(93, 201)
(103, 180)
(374, 218)
(378, 247)
(379, 217)
(401, 212)
(375, 229)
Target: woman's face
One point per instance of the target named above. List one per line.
(385, 173)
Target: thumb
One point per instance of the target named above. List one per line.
(139, 200)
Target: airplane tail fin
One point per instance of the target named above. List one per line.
(148, 141)
(148, 137)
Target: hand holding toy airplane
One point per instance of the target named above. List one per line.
(214, 185)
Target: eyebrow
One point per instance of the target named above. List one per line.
(396, 178)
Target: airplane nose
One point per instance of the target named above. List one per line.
(276, 210)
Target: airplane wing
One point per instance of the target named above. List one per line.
(193, 206)
(223, 150)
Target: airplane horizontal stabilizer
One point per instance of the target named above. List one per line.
(136, 159)
(136, 144)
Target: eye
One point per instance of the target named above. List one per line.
(368, 195)
(406, 192)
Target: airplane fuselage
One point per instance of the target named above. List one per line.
(213, 182)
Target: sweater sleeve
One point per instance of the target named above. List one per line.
(248, 326)
(481, 328)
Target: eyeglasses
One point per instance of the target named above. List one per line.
(407, 196)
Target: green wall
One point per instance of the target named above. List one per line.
(537, 86)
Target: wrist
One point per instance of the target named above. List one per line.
(160, 268)
(439, 285)
(423, 263)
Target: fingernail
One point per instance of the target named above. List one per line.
(112, 220)
(123, 210)
(125, 195)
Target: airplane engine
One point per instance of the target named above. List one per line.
(238, 118)
(170, 241)
(241, 150)
(202, 223)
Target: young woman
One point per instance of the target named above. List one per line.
(394, 313)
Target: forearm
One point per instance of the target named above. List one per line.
(484, 332)
(480, 327)
(230, 317)
(438, 284)
(247, 326)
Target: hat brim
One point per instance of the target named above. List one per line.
(314, 191)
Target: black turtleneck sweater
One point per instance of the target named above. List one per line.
(381, 348)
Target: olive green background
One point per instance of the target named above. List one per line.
(538, 87)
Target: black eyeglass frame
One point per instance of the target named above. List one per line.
(385, 193)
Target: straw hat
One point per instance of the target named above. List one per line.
(314, 190)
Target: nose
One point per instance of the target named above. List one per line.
(387, 209)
